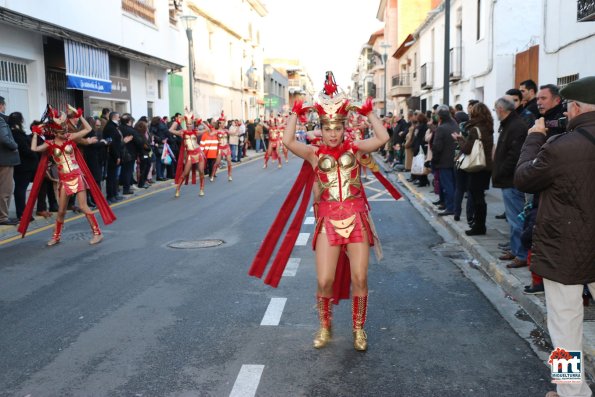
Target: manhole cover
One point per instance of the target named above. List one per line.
(193, 244)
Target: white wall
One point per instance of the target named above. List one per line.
(28, 47)
(568, 46)
(106, 21)
(140, 95)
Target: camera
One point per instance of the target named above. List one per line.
(562, 122)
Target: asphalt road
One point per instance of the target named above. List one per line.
(135, 317)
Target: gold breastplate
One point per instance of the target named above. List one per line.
(191, 142)
(222, 139)
(338, 178)
(65, 159)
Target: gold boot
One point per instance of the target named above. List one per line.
(201, 193)
(57, 234)
(97, 236)
(177, 193)
(360, 342)
(323, 336)
(359, 307)
(229, 179)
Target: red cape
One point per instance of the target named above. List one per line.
(104, 209)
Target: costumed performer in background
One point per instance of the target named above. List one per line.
(74, 175)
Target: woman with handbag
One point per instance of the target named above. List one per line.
(480, 128)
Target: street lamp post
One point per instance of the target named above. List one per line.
(268, 70)
(446, 80)
(384, 59)
(189, 21)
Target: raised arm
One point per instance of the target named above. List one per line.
(36, 132)
(300, 149)
(173, 129)
(81, 134)
(380, 136)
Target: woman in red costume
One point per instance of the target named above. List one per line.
(190, 154)
(273, 149)
(74, 175)
(223, 149)
(343, 221)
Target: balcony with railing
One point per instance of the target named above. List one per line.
(426, 76)
(401, 85)
(143, 9)
(456, 64)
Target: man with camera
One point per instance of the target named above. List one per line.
(550, 108)
(561, 170)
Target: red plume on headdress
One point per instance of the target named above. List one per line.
(330, 86)
(319, 109)
(222, 117)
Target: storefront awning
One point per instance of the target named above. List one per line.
(87, 68)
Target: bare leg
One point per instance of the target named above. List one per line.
(185, 173)
(97, 236)
(228, 159)
(215, 167)
(201, 174)
(326, 264)
(358, 258)
(62, 205)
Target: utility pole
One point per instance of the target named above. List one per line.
(446, 86)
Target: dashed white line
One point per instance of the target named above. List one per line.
(247, 381)
(309, 220)
(292, 266)
(302, 239)
(273, 314)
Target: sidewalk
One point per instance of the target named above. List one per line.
(485, 251)
(9, 233)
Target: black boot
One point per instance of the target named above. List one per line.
(479, 221)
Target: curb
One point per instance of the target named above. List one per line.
(489, 266)
(9, 233)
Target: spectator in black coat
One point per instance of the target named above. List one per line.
(113, 137)
(133, 145)
(24, 172)
(443, 152)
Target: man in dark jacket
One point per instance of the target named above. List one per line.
(443, 152)
(528, 89)
(9, 157)
(132, 146)
(113, 136)
(562, 170)
(550, 108)
(512, 134)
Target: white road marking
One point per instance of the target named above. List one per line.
(302, 239)
(273, 314)
(311, 209)
(247, 381)
(292, 266)
(309, 220)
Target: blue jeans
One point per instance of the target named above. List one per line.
(447, 185)
(514, 202)
(258, 143)
(234, 152)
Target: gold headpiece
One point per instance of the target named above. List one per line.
(332, 104)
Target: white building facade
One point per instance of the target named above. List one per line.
(228, 58)
(117, 55)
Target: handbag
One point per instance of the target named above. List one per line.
(474, 161)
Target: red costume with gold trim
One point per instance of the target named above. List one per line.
(273, 149)
(74, 176)
(342, 212)
(192, 152)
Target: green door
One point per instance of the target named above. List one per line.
(176, 94)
